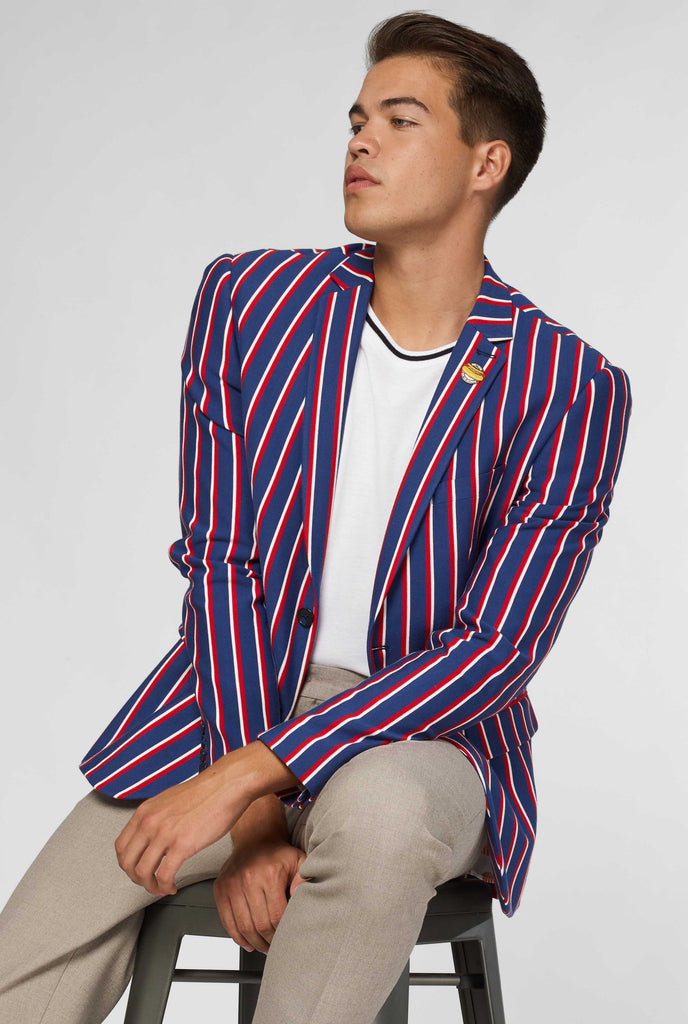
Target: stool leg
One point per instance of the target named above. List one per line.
(156, 956)
(479, 956)
(248, 994)
(396, 1007)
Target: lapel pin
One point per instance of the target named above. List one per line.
(471, 373)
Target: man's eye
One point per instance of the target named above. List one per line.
(354, 129)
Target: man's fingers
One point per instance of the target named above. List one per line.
(298, 878)
(148, 845)
(129, 854)
(224, 909)
(140, 857)
(175, 856)
(148, 864)
(266, 906)
(275, 905)
(246, 934)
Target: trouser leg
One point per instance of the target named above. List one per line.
(389, 827)
(68, 932)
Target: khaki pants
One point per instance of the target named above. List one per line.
(389, 826)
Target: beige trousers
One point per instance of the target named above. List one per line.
(389, 827)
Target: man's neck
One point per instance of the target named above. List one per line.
(423, 295)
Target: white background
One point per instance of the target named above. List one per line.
(141, 140)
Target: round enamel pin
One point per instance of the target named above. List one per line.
(471, 373)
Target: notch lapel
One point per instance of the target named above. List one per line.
(457, 398)
(337, 334)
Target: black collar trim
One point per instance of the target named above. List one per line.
(435, 354)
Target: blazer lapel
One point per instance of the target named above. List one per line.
(337, 333)
(474, 365)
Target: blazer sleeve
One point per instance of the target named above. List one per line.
(224, 624)
(509, 615)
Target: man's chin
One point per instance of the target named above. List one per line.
(368, 232)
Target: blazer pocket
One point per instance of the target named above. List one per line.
(467, 487)
(233, 410)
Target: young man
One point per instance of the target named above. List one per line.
(394, 471)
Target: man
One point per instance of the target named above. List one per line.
(394, 471)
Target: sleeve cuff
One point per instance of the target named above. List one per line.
(290, 797)
(313, 761)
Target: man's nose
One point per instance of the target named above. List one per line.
(364, 141)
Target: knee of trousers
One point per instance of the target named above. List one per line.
(397, 810)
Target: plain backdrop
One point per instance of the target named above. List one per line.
(142, 139)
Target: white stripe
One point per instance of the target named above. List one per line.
(288, 647)
(279, 465)
(234, 641)
(267, 435)
(182, 679)
(161, 771)
(267, 560)
(165, 741)
(316, 429)
(430, 467)
(151, 723)
(284, 589)
(256, 296)
(196, 362)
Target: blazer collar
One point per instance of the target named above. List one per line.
(492, 313)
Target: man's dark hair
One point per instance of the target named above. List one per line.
(495, 94)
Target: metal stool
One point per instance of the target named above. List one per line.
(459, 913)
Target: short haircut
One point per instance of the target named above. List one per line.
(495, 93)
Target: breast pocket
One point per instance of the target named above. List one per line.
(468, 489)
(457, 512)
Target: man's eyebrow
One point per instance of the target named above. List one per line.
(392, 101)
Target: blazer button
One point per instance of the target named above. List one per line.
(304, 617)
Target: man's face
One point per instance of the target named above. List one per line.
(412, 147)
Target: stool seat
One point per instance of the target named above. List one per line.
(460, 913)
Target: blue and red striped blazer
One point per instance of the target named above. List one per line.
(505, 497)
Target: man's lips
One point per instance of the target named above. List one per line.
(357, 184)
(357, 178)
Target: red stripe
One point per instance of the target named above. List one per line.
(446, 441)
(428, 577)
(408, 709)
(159, 774)
(286, 588)
(176, 651)
(149, 751)
(191, 336)
(286, 451)
(311, 634)
(324, 339)
(264, 443)
(268, 283)
(267, 376)
(277, 539)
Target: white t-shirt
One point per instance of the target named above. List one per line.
(390, 394)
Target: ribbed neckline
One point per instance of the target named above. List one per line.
(403, 353)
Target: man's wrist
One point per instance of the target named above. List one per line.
(255, 771)
(263, 819)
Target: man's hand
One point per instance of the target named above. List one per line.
(250, 891)
(169, 828)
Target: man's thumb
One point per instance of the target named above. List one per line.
(297, 879)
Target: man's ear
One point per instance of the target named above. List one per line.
(493, 161)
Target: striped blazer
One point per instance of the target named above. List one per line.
(504, 499)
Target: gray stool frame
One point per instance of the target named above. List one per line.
(459, 913)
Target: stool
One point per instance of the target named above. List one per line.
(459, 913)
